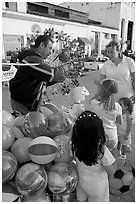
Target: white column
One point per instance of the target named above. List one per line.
(3, 50)
(22, 7)
(125, 30)
(133, 38)
(3, 5)
(99, 42)
(25, 40)
(124, 34)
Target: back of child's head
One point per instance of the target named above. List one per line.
(88, 138)
(127, 103)
(107, 89)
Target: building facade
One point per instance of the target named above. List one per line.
(22, 19)
(120, 15)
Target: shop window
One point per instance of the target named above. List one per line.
(7, 5)
(60, 13)
(113, 36)
(106, 35)
(12, 44)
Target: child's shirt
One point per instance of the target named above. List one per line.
(122, 129)
(97, 171)
(108, 117)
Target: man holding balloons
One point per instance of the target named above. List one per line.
(33, 74)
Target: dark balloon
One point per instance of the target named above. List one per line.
(20, 149)
(34, 124)
(9, 193)
(44, 197)
(31, 179)
(9, 166)
(7, 137)
(62, 178)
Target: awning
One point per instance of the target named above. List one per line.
(84, 40)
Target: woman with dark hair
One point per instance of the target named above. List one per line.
(93, 159)
(121, 69)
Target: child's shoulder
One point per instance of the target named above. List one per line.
(118, 106)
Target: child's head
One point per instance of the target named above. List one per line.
(126, 105)
(106, 91)
(88, 138)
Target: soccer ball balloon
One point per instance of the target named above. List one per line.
(122, 181)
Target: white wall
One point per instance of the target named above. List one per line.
(127, 12)
(76, 30)
(21, 7)
(23, 27)
(14, 23)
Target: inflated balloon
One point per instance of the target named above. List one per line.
(31, 179)
(62, 178)
(17, 133)
(44, 197)
(34, 124)
(20, 149)
(7, 118)
(70, 197)
(7, 137)
(48, 109)
(64, 56)
(18, 121)
(64, 145)
(59, 123)
(9, 193)
(9, 166)
(42, 150)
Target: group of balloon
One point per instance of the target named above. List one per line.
(37, 164)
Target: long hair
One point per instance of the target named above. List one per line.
(88, 138)
(128, 104)
(105, 95)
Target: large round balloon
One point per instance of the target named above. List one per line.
(9, 166)
(43, 197)
(64, 56)
(64, 145)
(9, 193)
(17, 132)
(62, 178)
(31, 179)
(48, 109)
(34, 124)
(59, 123)
(7, 118)
(20, 149)
(42, 150)
(7, 137)
(19, 121)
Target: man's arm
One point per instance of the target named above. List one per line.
(43, 71)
